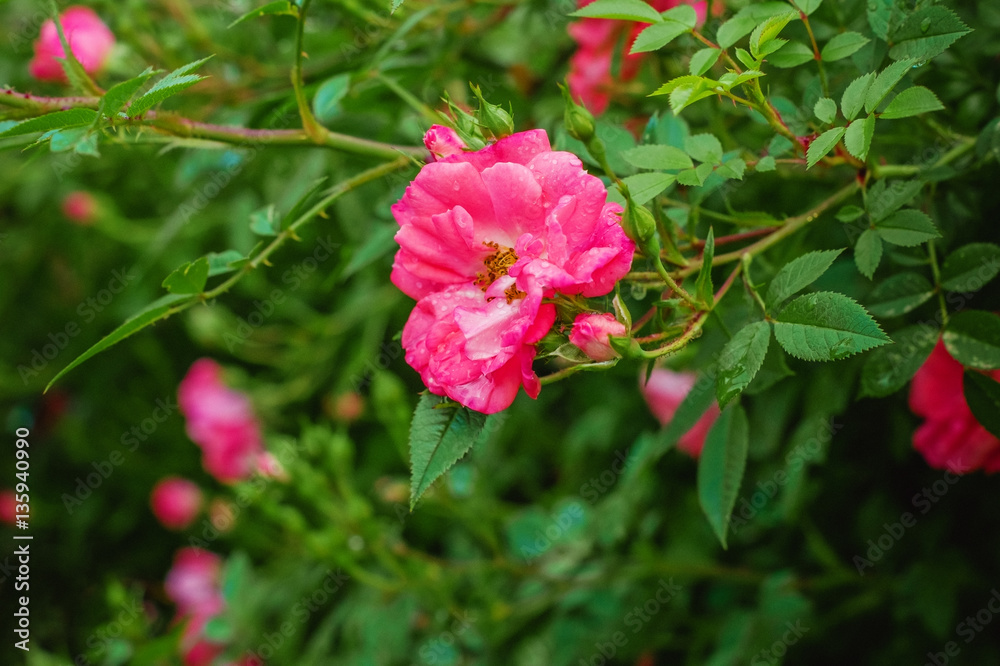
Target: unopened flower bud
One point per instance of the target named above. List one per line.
(640, 226)
(591, 333)
(579, 122)
(494, 119)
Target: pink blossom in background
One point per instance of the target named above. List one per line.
(950, 437)
(89, 38)
(220, 421)
(591, 331)
(80, 207)
(484, 236)
(194, 585)
(175, 502)
(590, 78)
(8, 506)
(664, 393)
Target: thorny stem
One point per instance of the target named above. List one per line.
(313, 129)
(816, 55)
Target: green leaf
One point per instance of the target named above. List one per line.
(826, 326)
(265, 222)
(884, 16)
(658, 157)
(885, 82)
(658, 35)
(982, 393)
(189, 278)
(858, 137)
(843, 45)
(798, 274)
(822, 145)
(326, 102)
(767, 31)
(220, 263)
(766, 163)
(890, 368)
(807, 7)
(279, 7)
(926, 33)
(704, 148)
(720, 468)
(169, 85)
(973, 339)
(746, 20)
(703, 285)
(302, 203)
(687, 92)
(644, 186)
(119, 94)
(695, 177)
(154, 312)
(740, 360)
(900, 294)
(734, 167)
(868, 252)
(885, 197)
(791, 54)
(703, 60)
(849, 213)
(51, 121)
(825, 109)
(628, 10)
(748, 60)
(730, 80)
(907, 227)
(971, 266)
(440, 434)
(855, 95)
(682, 13)
(912, 102)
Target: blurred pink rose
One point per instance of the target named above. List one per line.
(176, 502)
(220, 421)
(591, 331)
(193, 582)
(950, 437)
(484, 236)
(80, 207)
(8, 504)
(590, 78)
(89, 38)
(664, 393)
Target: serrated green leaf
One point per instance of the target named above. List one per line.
(822, 145)
(628, 10)
(658, 157)
(885, 82)
(220, 263)
(854, 97)
(858, 137)
(154, 312)
(740, 360)
(907, 227)
(745, 20)
(119, 94)
(843, 45)
(695, 177)
(826, 326)
(884, 17)
(279, 7)
(798, 274)
(682, 13)
(189, 278)
(326, 101)
(868, 253)
(658, 35)
(265, 222)
(927, 33)
(890, 368)
(900, 294)
(748, 60)
(721, 467)
(704, 148)
(644, 186)
(767, 31)
(807, 7)
(703, 285)
(849, 213)
(51, 121)
(825, 109)
(730, 80)
(733, 168)
(886, 197)
(912, 102)
(766, 163)
(703, 60)
(982, 393)
(791, 54)
(973, 339)
(169, 85)
(971, 266)
(440, 437)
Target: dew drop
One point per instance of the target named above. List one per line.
(925, 25)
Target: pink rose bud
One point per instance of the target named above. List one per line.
(591, 332)
(664, 393)
(89, 39)
(176, 502)
(442, 141)
(80, 207)
(8, 507)
(346, 407)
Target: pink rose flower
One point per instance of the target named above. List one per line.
(484, 236)
(193, 583)
(221, 422)
(89, 39)
(591, 332)
(442, 142)
(176, 502)
(950, 437)
(590, 79)
(8, 507)
(664, 393)
(80, 207)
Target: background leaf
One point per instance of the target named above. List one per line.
(721, 467)
(973, 339)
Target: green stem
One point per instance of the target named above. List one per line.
(965, 144)
(313, 129)
(936, 271)
(676, 288)
(816, 55)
